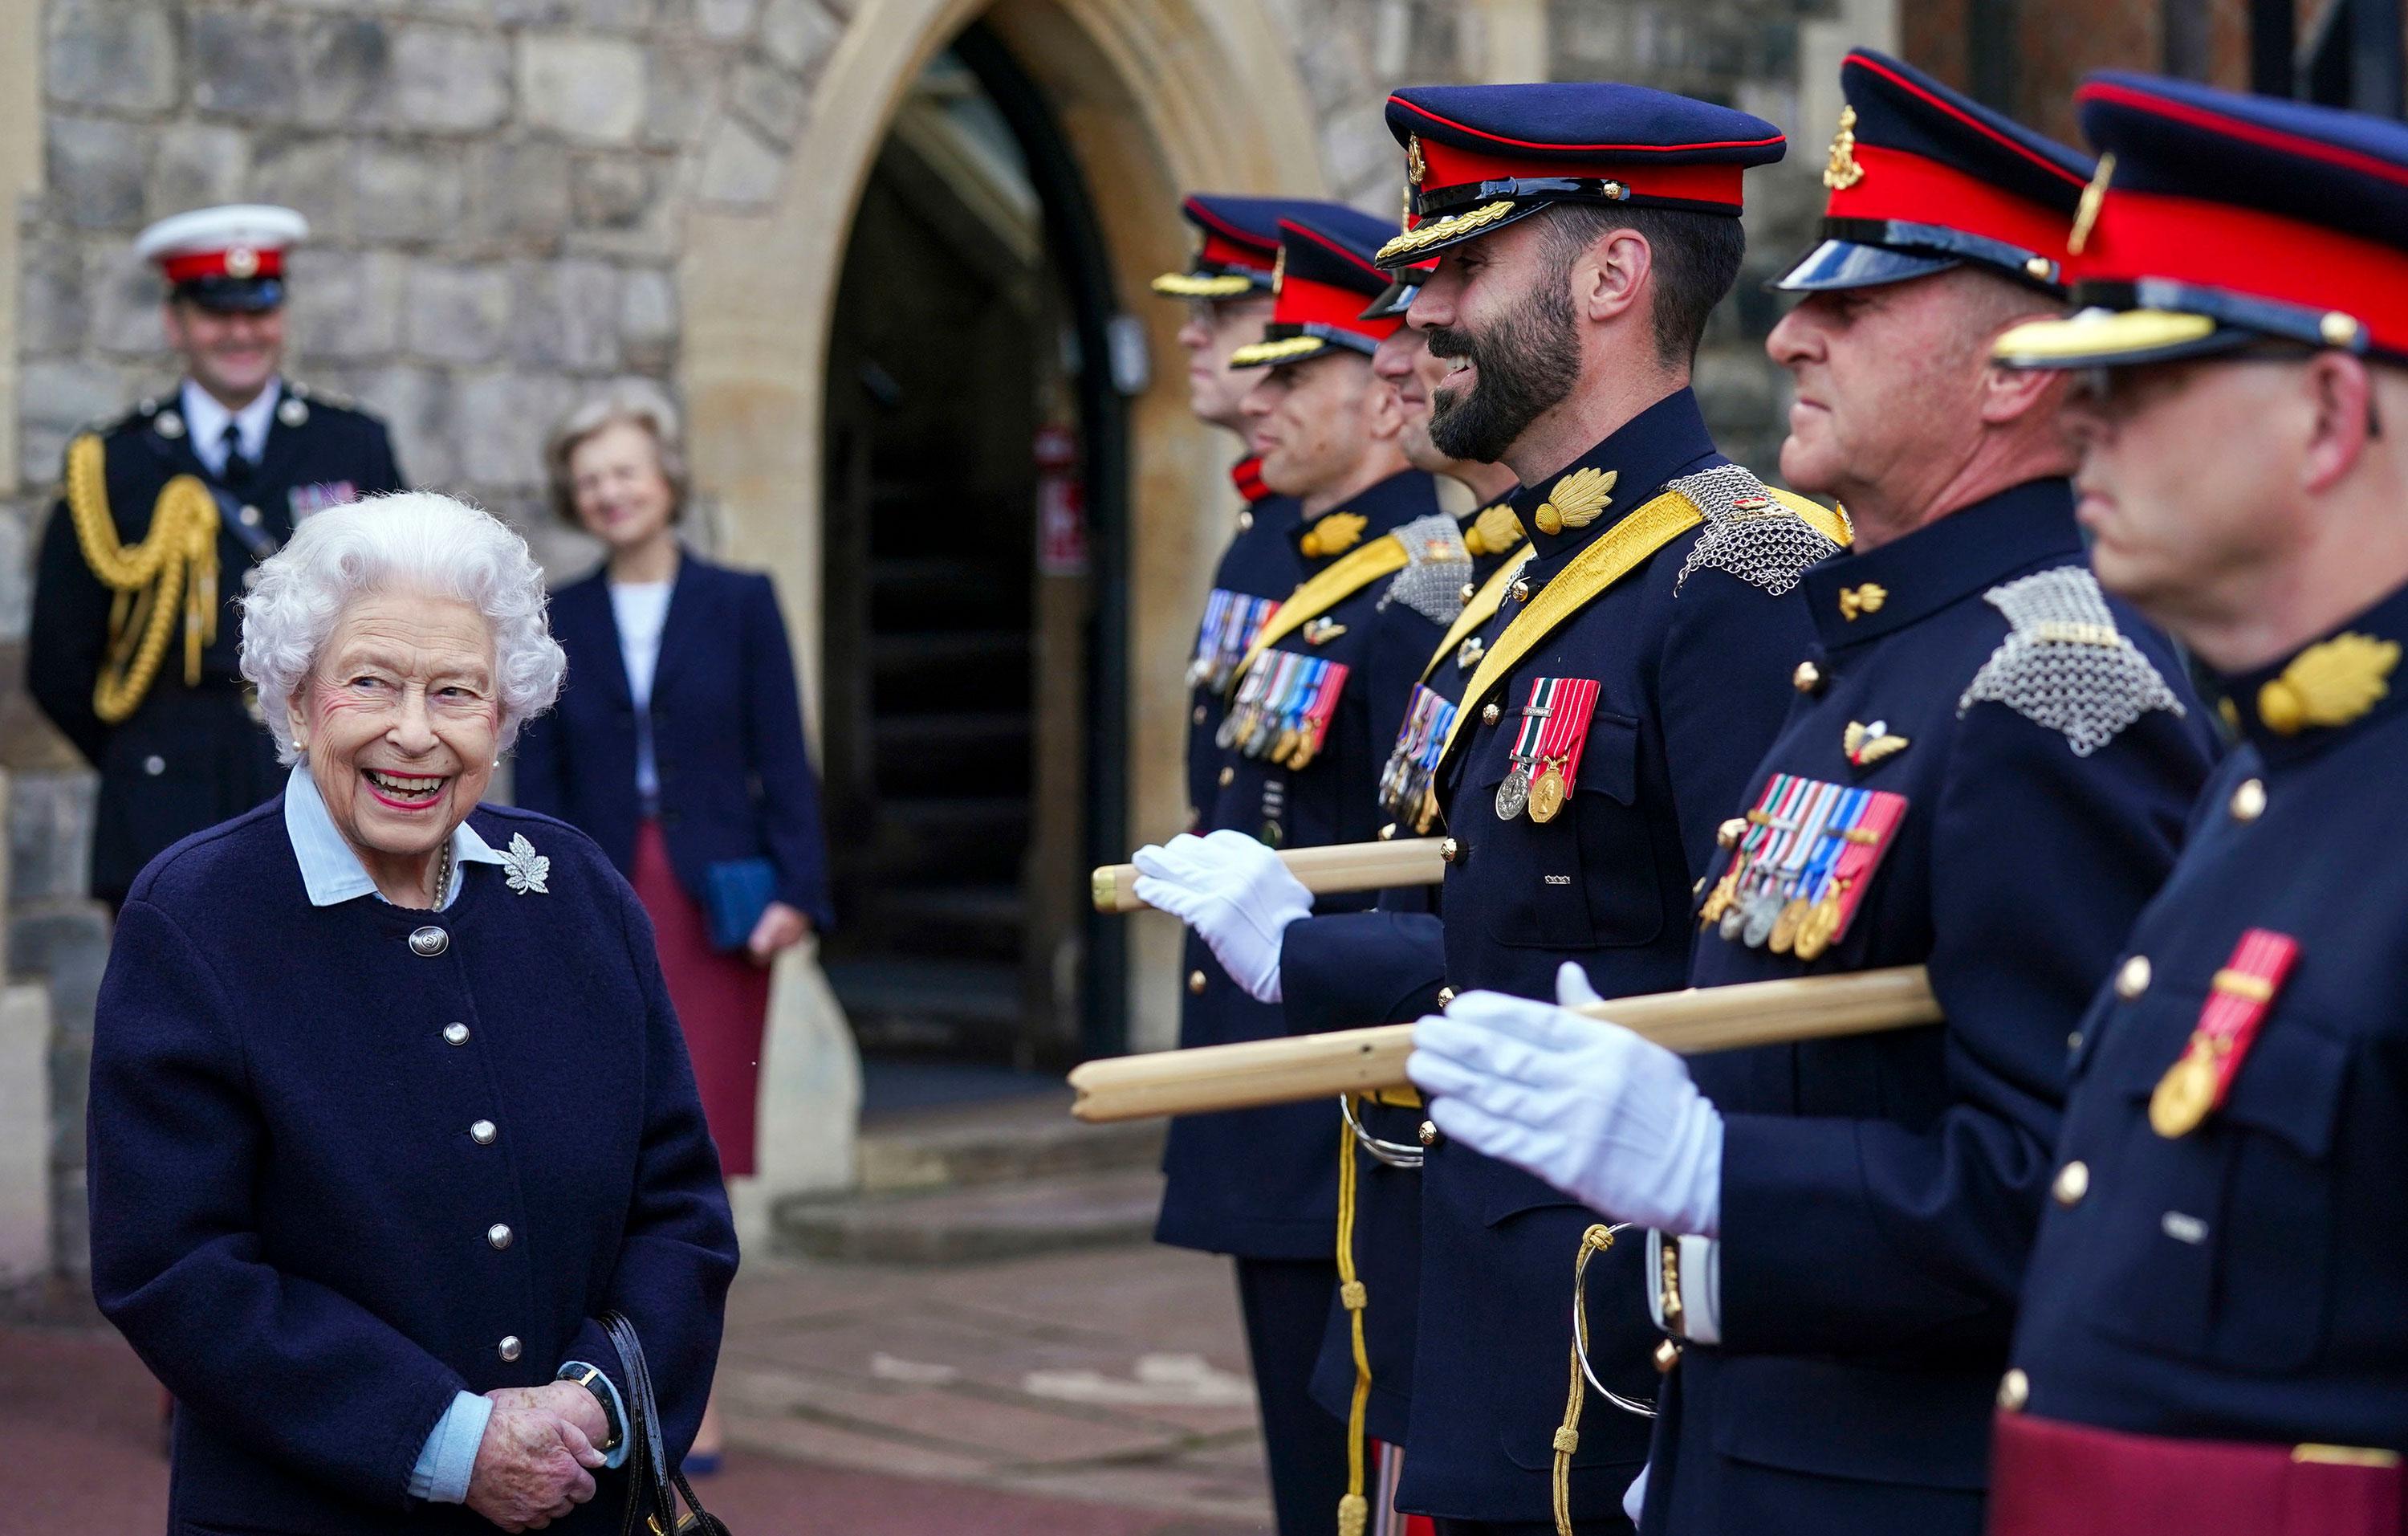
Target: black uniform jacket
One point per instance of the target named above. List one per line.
(2239, 1272)
(1880, 1194)
(1262, 1183)
(187, 757)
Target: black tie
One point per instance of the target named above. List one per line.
(237, 472)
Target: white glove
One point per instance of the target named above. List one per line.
(1604, 1116)
(1634, 1498)
(1236, 895)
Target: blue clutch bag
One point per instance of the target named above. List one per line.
(735, 893)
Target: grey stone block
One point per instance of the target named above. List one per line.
(770, 99)
(740, 169)
(416, 404)
(589, 89)
(408, 193)
(245, 63)
(49, 851)
(797, 34)
(504, 419)
(197, 164)
(648, 319)
(96, 170)
(564, 315)
(448, 80)
(344, 62)
(99, 54)
(620, 15)
(681, 97)
(123, 293)
(306, 171)
(456, 313)
(530, 13)
(725, 21)
(55, 399)
(518, 191)
(50, 305)
(18, 520)
(611, 191)
(346, 305)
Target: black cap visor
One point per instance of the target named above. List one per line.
(233, 295)
(1394, 299)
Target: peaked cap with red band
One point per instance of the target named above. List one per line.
(228, 258)
(1326, 278)
(2217, 220)
(1922, 179)
(1240, 246)
(1481, 157)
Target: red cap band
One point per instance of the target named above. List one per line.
(1444, 165)
(1304, 302)
(1220, 250)
(1914, 189)
(2264, 255)
(241, 261)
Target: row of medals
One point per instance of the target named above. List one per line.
(1760, 919)
(1542, 797)
(1293, 749)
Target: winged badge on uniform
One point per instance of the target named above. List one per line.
(1866, 745)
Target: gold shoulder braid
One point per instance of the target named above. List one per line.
(174, 567)
(2330, 683)
(1333, 535)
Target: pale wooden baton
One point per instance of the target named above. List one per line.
(1301, 1068)
(1324, 872)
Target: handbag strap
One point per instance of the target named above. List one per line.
(651, 1506)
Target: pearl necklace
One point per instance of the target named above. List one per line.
(442, 876)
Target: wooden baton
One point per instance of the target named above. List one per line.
(1300, 1068)
(1324, 872)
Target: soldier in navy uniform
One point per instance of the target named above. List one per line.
(1985, 772)
(1313, 704)
(1607, 716)
(2213, 1337)
(137, 670)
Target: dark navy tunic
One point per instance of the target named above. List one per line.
(2245, 1279)
(290, 1221)
(1262, 1183)
(1879, 1195)
(1692, 662)
(1260, 562)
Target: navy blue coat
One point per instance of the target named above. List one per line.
(2245, 1281)
(1261, 562)
(1692, 667)
(1880, 1194)
(289, 1217)
(1263, 1183)
(728, 732)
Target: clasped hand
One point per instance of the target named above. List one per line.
(1605, 1115)
(1235, 893)
(536, 1461)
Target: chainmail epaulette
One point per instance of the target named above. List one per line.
(1749, 533)
(1437, 566)
(2064, 665)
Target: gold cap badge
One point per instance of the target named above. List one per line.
(2086, 213)
(1333, 535)
(1840, 171)
(1415, 166)
(2331, 683)
(1576, 501)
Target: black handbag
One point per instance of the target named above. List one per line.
(651, 1506)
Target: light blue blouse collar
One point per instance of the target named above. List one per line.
(331, 872)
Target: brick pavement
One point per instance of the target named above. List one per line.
(1097, 1394)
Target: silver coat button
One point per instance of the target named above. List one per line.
(429, 941)
(509, 1347)
(2134, 978)
(249, 516)
(498, 1235)
(455, 1033)
(2072, 1182)
(482, 1133)
(154, 765)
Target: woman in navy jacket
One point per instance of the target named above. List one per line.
(389, 1107)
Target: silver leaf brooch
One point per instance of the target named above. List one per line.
(525, 868)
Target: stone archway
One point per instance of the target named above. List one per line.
(1154, 97)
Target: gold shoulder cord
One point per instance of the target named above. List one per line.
(174, 566)
(1355, 1509)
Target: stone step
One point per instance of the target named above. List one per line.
(980, 1223)
(1028, 1136)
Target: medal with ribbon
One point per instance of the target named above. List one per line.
(1856, 840)
(2238, 1000)
(1316, 705)
(1404, 783)
(1801, 861)
(1513, 794)
(1570, 704)
(1231, 622)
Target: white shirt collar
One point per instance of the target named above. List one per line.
(331, 872)
(206, 419)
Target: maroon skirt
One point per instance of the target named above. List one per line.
(721, 1000)
(2050, 1478)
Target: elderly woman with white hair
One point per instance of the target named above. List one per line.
(390, 1119)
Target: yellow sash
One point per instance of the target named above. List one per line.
(1482, 608)
(1621, 549)
(1340, 579)
(1833, 525)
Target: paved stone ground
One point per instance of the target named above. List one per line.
(1097, 1394)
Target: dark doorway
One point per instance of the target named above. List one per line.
(973, 527)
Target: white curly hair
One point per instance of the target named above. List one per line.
(411, 542)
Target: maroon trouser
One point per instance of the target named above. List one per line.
(2054, 1479)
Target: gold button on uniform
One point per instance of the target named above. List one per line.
(1490, 715)
(1445, 995)
(2249, 800)
(1228, 777)
(509, 1347)
(2072, 1182)
(1469, 591)
(1808, 677)
(1427, 1134)
(482, 1133)
(1388, 833)
(1245, 521)
(498, 1235)
(2134, 978)
(1731, 831)
(1196, 983)
(2014, 1390)
(1449, 849)
(1667, 1354)
(1521, 590)
(455, 1034)
(1198, 716)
